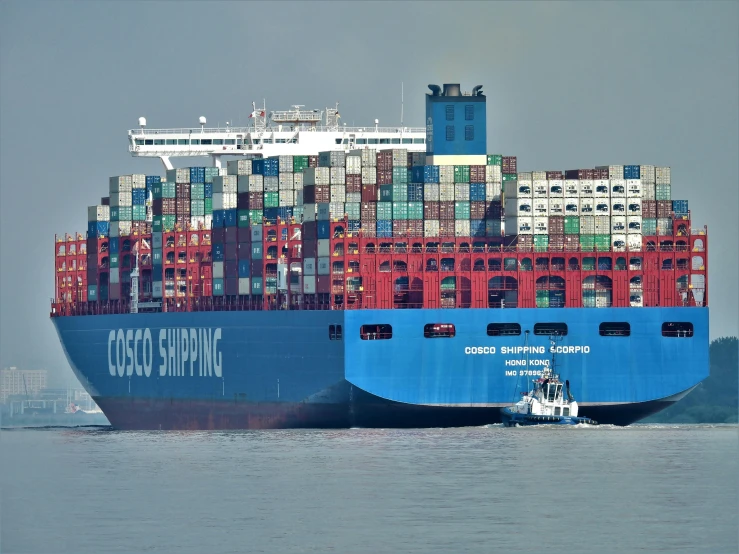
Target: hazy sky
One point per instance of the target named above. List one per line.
(568, 85)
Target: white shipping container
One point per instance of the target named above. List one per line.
(400, 157)
(323, 266)
(446, 174)
(462, 228)
(634, 207)
(556, 188)
(539, 175)
(601, 188)
(368, 156)
(271, 184)
(244, 286)
(353, 197)
(287, 198)
(256, 183)
(602, 206)
(338, 193)
(418, 159)
(297, 181)
(618, 224)
(197, 222)
(587, 189)
(633, 188)
(156, 289)
(521, 225)
(323, 211)
(664, 226)
(662, 176)
(572, 187)
(633, 224)
(218, 270)
(649, 191)
(310, 212)
(602, 224)
(369, 175)
(121, 199)
(493, 174)
(218, 201)
(431, 192)
(285, 163)
(121, 183)
(309, 266)
(226, 183)
(309, 284)
(431, 228)
(618, 206)
(519, 189)
(494, 191)
(180, 175)
(541, 207)
(541, 225)
(462, 192)
(587, 206)
(587, 225)
(242, 183)
(324, 248)
(336, 210)
(618, 188)
(238, 167)
(230, 200)
(222, 171)
(446, 192)
(337, 175)
(615, 172)
(98, 213)
(353, 165)
(114, 276)
(124, 228)
(317, 176)
(572, 206)
(646, 173)
(540, 188)
(524, 207)
(138, 181)
(634, 242)
(556, 206)
(618, 243)
(286, 181)
(298, 197)
(525, 177)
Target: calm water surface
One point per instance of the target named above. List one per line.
(643, 488)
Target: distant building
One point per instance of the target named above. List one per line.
(14, 381)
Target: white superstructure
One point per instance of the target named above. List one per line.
(290, 132)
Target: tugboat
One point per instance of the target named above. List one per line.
(545, 404)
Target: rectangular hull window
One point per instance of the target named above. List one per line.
(503, 329)
(615, 329)
(439, 330)
(381, 331)
(547, 329)
(680, 329)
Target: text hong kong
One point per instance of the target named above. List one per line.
(181, 352)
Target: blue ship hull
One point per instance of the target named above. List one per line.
(282, 369)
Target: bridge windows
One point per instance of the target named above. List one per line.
(681, 329)
(182, 142)
(503, 329)
(381, 331)
(230, 142)
(559, 329)
(171, 142)
(615, 329)
(159, 142)
(194, 141)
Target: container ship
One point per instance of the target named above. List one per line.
(335, 277)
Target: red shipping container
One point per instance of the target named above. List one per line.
(556, 225)
(588, 174)
(182, 220)
(556, 242)
(183, 206)
(477, 174)
(446, 226)
(572, 243)
(310, 248)
(664, 208)
(231, 269)
(649, 209)
(243, 251)
(400, 227)
(369, 228)
(219, 235)
(555, 175)
(243, 234)
(105, 201)
(231, 286)
(256, 268)
(510, 164)
(114, 291)
(415, 227)
(494, 210)
(232, 234)
(323, 284)
(478, 210)
(601, 173)
(169, 206)
(183, 190)
(353, 181)
(385, 177)
(368, 211)
(369, 193)
(446, 210)
(524, 242)
(431, 210)
(310, 230)
(231, 251)
(353, 188)
(312, 161)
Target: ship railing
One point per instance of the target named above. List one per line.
(139, 133)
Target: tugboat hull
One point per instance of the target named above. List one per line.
(514, 419)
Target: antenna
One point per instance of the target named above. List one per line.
(401, 103)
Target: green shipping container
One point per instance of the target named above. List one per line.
(169, 190)
(541, 243)
(495, 159)
(243, 218)
(210, 172)
(256, 216)
(663, 192)
(461, 210)
(461, 174)
(384, 210)
(572, 225)
(197, 208)
(602, 243)
(587, 243)
(122, 213)
(400, 210)
(197, 191)
(588, 298)
(510, 176)
(256, 251)
(353, 209)
(113, 258)
(542, 298)
(256, 286)
(168, 222)
(218, 287)
(208, 206)
(400, 176)
(415, 210)
(449, 283)
(270, 285)
(271, 199)
(386, 193)
(156, 224)
(400, 193)
(139, 213)
(588, 264)
(299, 163)
(649, 226)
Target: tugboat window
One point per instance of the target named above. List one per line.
(381, 331)
(681, 329)
(503, 329)
(617, 329)
(559, 329)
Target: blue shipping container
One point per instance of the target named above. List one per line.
(477, 228)
(477, 192)
(271, 215)
(197, 175)
(219, 252)
(243, 268)
(354, 226)
(157, 271)
(257, 166)
(285, 212)
(323, 229)
(416, 174)
(415, 191)
(631, 172)
(384, 228)
(272, 167)
(231, 218)
(98, 229)
(208, 190)
(156, 257)
(431, 174)
(138, 197)
(680, 206)
(219, 217)
(114, 245)
(153, 180)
